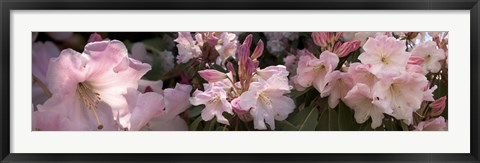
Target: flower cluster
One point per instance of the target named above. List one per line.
(227, 81)
(249, 91)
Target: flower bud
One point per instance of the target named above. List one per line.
(94, 37)
(438, 106)
(346, 48)
(250, 67)
(230, 67)
(337, 36)
(320, 38)
(243, 54)
(416, 60)
(243, 114)
(258, 50)
(248, 41)
(212, 75)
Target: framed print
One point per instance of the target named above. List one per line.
(193, 81)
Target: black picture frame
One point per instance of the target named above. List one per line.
(9, 5)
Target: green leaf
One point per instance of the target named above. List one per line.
(328, 121)
(285, 126)
(222, 128)
(306, 119)
(195, 111)
(346, 120)
(296, 94)
(210, 125)
(219, 68)
(404, 126)
(194, 125)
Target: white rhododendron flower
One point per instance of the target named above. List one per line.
(431, 56)
(384, 54)
(267, 102)
(360, 99)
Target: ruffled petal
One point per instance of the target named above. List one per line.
(146, 107)
(66, 113)
(66, 71)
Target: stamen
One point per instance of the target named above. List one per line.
(214, 100)
(90, 99)
(265, 100)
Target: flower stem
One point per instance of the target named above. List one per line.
(42, 85)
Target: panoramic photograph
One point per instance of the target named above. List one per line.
(240, 81)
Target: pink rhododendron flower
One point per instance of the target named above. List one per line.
(338, 85)
(362, 73)
(413, 68)
(215, 101)
(139, 52)
(415, 60)
(437, 124)
(430, 54)
(187, 47)
(41, 55)
(428, 93)
(226, 45)
(438, 106)
(150, 86)
(176, 102)
(313, 71)
(88, 88)
(401, 92)
(269, 71)
(359, 98)
(159, 112)
(294, 82)
(384, 54)
(143, 107)
(364, 36)
(290, 62)
(266, 101)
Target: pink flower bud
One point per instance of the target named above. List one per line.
(230, 67)
(243, 54)
(438, 106)
(258, 50)
(94, 37)
(243, 114)
(248, 41)
(212, 75)
(437, 124)
(416, 60)
(346, 48)
(250, 67)
(320, 38)
(338, 35)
